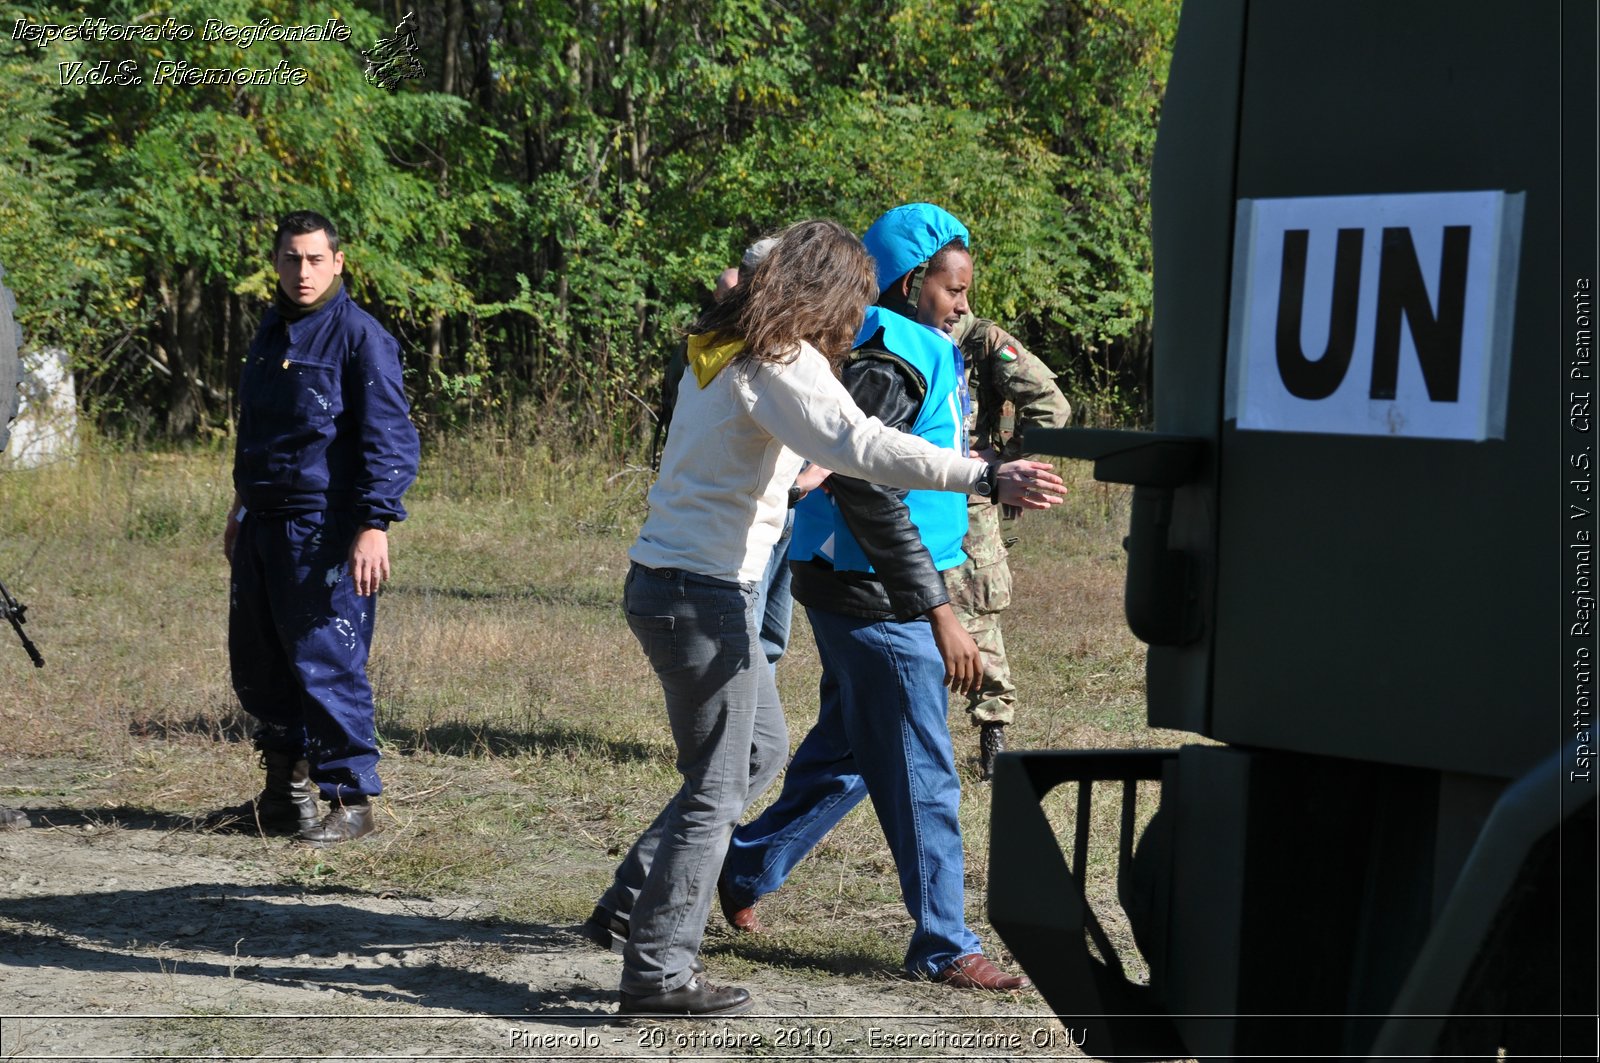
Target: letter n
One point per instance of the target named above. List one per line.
(1437, 336)
(1303, 377)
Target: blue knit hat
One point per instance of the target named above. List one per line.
(904, 238)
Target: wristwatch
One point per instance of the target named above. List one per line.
(988, 485)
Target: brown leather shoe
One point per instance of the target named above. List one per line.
(343, 823)
(287, 803)
(745, 920)
(696, 998)
(974, 971)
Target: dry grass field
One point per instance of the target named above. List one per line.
(524, 745)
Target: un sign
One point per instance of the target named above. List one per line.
(1374, 315)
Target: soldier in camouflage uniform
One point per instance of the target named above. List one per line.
(999, 371)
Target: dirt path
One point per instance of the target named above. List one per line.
(123, 937)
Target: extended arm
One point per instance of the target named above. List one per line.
(805, 408)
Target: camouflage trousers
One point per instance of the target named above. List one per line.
(980, 590)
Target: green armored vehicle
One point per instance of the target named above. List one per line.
(1361, 553)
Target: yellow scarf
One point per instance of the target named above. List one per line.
(708, 356)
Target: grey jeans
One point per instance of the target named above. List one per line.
(702, 638)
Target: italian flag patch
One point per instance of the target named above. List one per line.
(1008, 353)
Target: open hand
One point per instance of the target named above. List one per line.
(1028, 484)
(369, 560)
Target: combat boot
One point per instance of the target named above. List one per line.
(991, 743)
(287, 803)
(343, 823)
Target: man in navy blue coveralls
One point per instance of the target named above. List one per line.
(325, 450)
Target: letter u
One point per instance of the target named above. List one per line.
(1303, 377)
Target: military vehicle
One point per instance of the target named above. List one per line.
(1360, 552)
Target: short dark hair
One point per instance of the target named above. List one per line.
(301, 222)
(936, 263)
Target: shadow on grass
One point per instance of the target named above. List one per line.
(120, 817)
(275, 935)
(456, 738)
(815, 959)
(610, 600)
(463, 739)
(231, 726)
(133, 817)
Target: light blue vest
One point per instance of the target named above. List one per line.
(940, 516)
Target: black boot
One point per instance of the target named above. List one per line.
(287, 803)
(991, 743)
(343, 823)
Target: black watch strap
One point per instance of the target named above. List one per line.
(989, 483)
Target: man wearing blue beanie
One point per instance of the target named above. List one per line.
(867, 563)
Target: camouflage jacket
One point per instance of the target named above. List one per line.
(1001, 370)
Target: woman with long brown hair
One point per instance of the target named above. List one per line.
(759, 397)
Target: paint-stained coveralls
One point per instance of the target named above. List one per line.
(1000, 370)
(325, 448)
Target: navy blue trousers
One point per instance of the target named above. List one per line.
(298, 637)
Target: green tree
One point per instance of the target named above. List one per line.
(197, 174)
(68, 252)
(537, 213)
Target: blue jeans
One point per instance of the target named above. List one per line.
(700, 635)
(774, 603)
(881, 731)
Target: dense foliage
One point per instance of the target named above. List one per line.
(539, 211)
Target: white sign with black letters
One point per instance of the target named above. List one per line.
(1374, 315)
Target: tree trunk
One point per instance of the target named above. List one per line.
(436, 346)
(450, 75)
(185, 396)
(221, 321)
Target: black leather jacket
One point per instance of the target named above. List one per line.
(903, 584)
